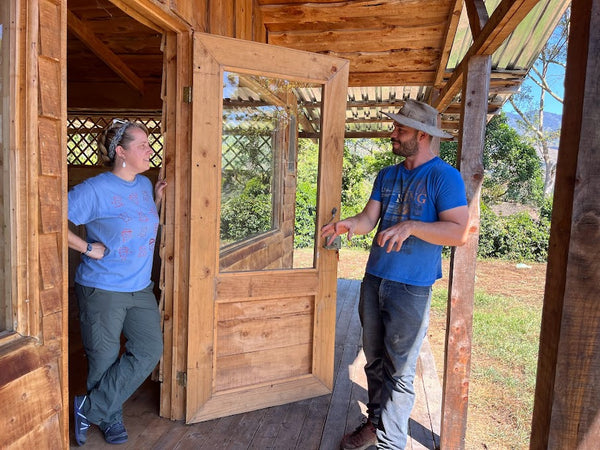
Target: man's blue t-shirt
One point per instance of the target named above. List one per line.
(122, 215)
(418, 194)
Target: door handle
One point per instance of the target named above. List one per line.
(336, 244)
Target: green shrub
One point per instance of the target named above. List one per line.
(514, 237)
(247, 214)
(306, 211)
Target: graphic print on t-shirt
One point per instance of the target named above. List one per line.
(141, 218)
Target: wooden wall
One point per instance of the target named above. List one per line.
(33, 390)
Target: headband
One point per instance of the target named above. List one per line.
(114, 142)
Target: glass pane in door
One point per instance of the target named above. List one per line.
(269, 167)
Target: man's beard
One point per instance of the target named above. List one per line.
(406, 149)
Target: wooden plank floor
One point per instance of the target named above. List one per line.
(317, 423)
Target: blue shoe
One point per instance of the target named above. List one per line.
(115, 433)
(81, 423)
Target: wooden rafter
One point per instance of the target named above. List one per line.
(90, 40)
(272, 98)
(506, 17)
(154, 15)
(477, 15)
(448, 40)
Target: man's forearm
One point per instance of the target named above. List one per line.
(440, 233)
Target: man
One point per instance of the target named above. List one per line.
(420, 205)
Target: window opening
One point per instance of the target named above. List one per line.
(83, 131)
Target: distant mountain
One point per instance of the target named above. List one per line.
(551, 121)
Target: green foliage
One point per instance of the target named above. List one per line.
(356, 189)
(306, 211)
(306, 193)
(546, 209)
(247, 202)
(247, 214)
(515, 237)
(512, 168)
(512, 174)
(380, 157)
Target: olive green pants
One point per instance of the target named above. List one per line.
(103, 316)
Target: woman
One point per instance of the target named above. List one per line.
(112, 282)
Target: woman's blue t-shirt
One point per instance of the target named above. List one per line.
(418, 194)
(122, 215)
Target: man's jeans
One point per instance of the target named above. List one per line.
(103, 316)
(395, 317)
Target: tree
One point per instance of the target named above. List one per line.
(529, 105)
(512, 167)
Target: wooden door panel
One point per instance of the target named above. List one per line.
(261, 333)
(238, 336)
(263, 366)
(265, 285)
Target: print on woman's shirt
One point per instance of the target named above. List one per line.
(127, 234)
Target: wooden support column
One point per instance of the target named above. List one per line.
(566, 412)
(457, 363)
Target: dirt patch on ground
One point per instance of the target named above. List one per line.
(508, 278)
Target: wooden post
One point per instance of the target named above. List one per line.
(567, 398)
(457, 364)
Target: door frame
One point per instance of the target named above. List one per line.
(212, 55)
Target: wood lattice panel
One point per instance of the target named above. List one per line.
(84, 129)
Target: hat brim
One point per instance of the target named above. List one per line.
(407, 121)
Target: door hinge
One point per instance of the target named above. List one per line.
(187, 94)
(182, 379)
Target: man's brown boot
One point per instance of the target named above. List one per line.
(363, 437)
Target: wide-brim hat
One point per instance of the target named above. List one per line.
(420, 116)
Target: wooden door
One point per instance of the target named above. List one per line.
(261, 321)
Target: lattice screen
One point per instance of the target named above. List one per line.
(241, 150)
(83, 131)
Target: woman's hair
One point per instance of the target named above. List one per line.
(115, 134)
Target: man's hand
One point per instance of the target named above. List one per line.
(335, 229)
(450, 229)
(362, 223)
(395, 236)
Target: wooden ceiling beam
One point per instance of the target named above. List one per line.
(154, 15)
(360, 23)
(477, 14)
(377, 14)
(373, 40)
(447, 46)
(89, 39)
(383, 78)
(390, 67)
(506, 17)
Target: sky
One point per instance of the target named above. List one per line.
(556, 79)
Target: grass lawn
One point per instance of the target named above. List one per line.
(506, 325)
